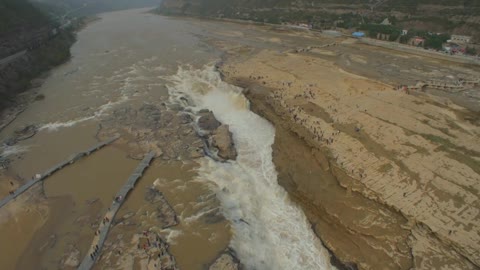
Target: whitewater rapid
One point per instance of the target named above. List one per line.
(270, 232)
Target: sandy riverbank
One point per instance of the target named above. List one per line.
(388, 180)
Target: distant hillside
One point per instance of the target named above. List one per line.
(20, 22)
(90, 7)
(29, 42)
(18, 15)
(452, 16)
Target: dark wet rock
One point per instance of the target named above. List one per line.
(226, 261)
(196, 153)
(157, 251)
(21, 134)
(186, 100)
(176, 107)
(164, 211)
(39, 97)
(218, 142)
(207, 121)
(213, 217)
(223, 141)
(185, 118)
(25, 132)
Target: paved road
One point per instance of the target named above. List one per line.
(52, 170)
(12, 57)
(104, 227)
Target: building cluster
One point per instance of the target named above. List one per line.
(457, 44)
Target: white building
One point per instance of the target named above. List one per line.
(461, 39)
(386, 22)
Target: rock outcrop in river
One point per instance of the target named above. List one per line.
(218, 137)
(171, 133)
(165, 213)
(207, 121)
(222, 140)
(155, 127)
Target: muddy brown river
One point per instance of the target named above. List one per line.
(124, 67)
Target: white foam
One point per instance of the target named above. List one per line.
(6, 150)
(70, 123)
(102, 110)
(172, 235)
(199, 214)
(270, 232)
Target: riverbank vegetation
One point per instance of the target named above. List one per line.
(18, 21)
(17, 77)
